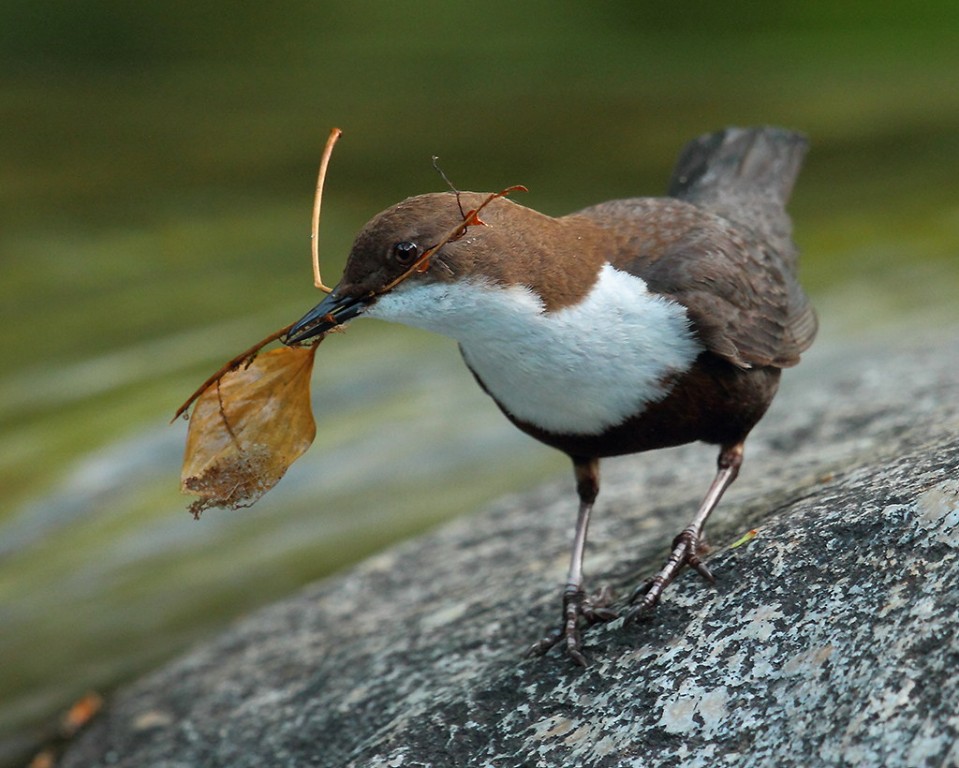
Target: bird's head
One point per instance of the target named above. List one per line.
(428, 238)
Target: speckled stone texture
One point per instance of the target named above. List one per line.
(830, 638)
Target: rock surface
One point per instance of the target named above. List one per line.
(830, 638)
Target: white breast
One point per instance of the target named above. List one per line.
(577, 370)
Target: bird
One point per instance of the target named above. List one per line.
(632, 325)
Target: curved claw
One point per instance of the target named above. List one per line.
(578, 609)
(699, 566)
(685, 547)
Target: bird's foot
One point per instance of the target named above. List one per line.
(686, 550)
(578, 609)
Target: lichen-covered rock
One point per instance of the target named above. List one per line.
(830, 638)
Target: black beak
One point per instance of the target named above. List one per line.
(332, 311)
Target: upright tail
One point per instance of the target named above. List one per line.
(745, 175)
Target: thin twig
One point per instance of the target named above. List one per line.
(315, 236)
(453, 189)
(470, 218)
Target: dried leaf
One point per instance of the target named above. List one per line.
(247, 428)
(82, 711)
(45, 759)
(244, 358)
(744, 539)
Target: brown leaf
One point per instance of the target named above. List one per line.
(81, 712)
(247, 428)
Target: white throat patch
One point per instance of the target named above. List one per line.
(579, 369)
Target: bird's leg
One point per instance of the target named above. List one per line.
(686, 545)
(577, 607)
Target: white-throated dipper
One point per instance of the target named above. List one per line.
(628, 326)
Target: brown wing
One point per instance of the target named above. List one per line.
(741, 296)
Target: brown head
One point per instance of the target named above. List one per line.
(513, 245)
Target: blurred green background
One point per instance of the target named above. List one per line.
(157, 163)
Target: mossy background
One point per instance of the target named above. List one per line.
(157, 163)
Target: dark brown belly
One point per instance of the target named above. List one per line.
(714, 402)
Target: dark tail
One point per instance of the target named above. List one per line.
(746, 162)
(744, 174)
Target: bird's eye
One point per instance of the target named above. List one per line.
(405, 252)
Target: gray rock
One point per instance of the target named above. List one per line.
(829, 639)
